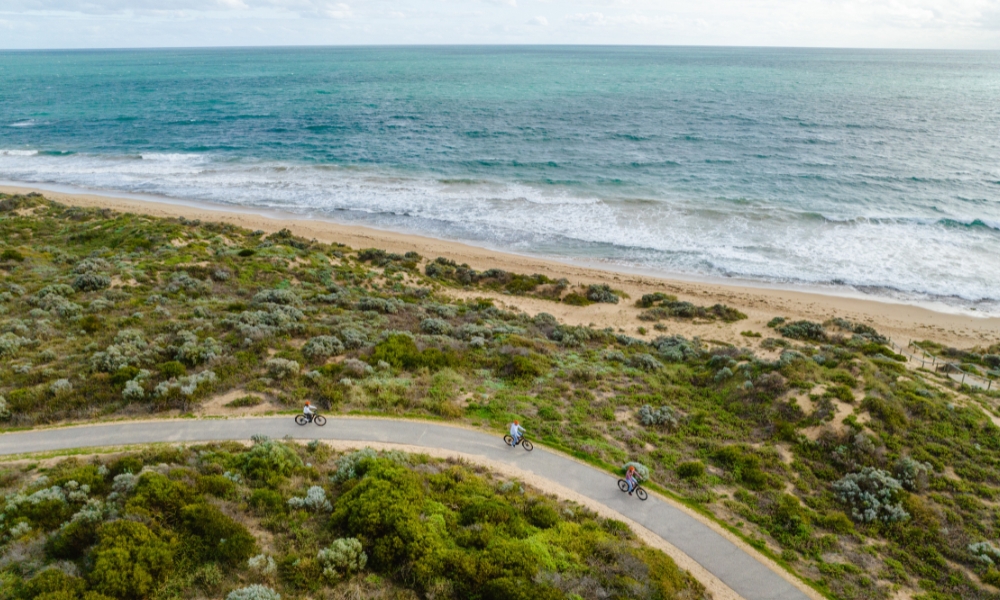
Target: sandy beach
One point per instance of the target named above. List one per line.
(903, 322)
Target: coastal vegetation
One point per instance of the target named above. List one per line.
(279, 520)
(816, 442)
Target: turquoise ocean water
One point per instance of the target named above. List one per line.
(875, 171)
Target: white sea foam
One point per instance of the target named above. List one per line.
(907, 257)
(18, 152)
(172, 157)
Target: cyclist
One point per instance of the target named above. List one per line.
(630, 479)
(308, 411)
(515, 432)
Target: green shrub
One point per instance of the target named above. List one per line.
(691, 469)
(347, 465)
(841, 392)
(172, 368)
(542, 515)
(991, 577)
(11, 254)
(576, 299)
(383, 512)
(129, 560)
(843, 377)
(50, 582)
(216, 485)
(245, 401)
(488, 510)
(300, 572)
(522, 366)
(72, 540)
(888, 412)
(266, 501)
(743, 465)
(91, 324)
(213, 536)
(158, 496)
(663, 306)
(126, 464)
(124, 375)
(836, 522)
(45, 508)
(401, 351)
(269, 460)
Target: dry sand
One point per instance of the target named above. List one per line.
(903, 322)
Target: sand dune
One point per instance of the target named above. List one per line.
(903, 322)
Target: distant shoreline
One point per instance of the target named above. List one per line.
(904, 322)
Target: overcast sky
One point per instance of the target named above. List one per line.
(837, 23)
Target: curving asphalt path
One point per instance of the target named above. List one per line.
(737, 569)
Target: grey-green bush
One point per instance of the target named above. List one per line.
(254, 592)
(282, 368)
(654, 417)
(871, 495)
(601, 293)
(322, 346)
(343, 557)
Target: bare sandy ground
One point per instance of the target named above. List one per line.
(903, 322)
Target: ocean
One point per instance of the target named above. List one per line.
(862, 171)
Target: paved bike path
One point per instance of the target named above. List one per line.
(737, 569)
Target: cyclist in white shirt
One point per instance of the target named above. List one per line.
(516, 431)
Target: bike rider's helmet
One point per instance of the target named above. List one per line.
(307, 403)
(631, 468)
(516, 422)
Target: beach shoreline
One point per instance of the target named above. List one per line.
(902, 321)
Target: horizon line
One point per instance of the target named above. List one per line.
(497, 45)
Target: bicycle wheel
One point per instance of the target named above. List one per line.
(508, 440)
(641, 493)
(527, 445)
(301, 420)
(319, 420)
(623, 485)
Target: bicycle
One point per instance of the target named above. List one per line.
(638, 491)
(319, 420)
(524, 443)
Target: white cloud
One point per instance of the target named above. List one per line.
(591, 19)
(338, 11)
(843, 23)
(596, 19)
